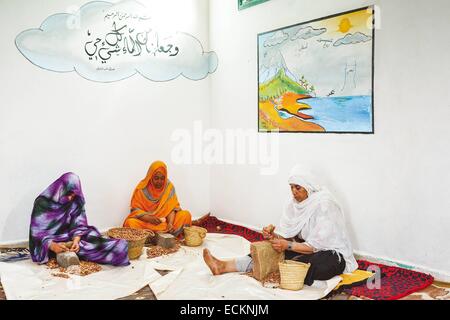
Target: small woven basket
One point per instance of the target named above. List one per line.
(134, 246)
(293, 274)
(193, 236)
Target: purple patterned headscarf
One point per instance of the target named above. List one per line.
(58, 215)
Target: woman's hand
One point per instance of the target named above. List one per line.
(58, 247)
(171, 220)
(279, 245)
(267, 232)
(76, 245)
(154, 220)
(151, 219)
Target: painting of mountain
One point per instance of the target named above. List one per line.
(317, 76)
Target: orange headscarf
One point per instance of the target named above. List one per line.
(147, 199)
(157, 166)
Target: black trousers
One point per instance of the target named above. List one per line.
(324, 264)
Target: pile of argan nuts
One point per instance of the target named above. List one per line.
(127, 234)
(271, 280)
(157, 251)
(84, 269)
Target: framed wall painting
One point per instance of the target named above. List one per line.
(244, 4)
(318, 76)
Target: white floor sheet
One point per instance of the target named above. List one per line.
(192, 279)
(26, 280)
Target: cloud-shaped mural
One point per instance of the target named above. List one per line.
(354, 38)
(107, 42)
(308, 32)
(278, 38)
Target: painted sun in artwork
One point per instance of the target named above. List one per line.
(345, 25)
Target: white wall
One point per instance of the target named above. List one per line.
(394, 185)
(108, 134)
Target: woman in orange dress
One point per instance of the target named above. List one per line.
(155, 206)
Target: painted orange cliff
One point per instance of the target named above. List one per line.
(270, 119)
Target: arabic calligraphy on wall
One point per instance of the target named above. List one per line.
(108, 42)
(122, 40)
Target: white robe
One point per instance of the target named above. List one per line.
(318, 220)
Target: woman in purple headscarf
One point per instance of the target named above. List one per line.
(59, 217)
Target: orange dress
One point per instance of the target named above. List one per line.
(147, 200)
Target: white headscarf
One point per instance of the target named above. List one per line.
(319, 219)
(297, 214)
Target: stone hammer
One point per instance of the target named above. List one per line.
(67, 259)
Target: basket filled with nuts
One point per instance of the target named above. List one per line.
(136, 239)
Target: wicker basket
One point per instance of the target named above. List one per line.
(134, 246)
(194, 236)
(293, 274)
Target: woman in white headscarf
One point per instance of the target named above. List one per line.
(315, 218)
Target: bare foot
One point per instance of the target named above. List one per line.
(216, 266)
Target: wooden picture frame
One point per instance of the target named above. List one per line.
(318, 76)
(245, 4)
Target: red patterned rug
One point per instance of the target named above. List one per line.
(214, 225)
(395, 282)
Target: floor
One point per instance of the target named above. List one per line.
(437, 291)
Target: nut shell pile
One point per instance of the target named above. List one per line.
(157, 251)
(84, 269)
(61, 275)
(272, 280)
(128, 234)
(52, 264)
